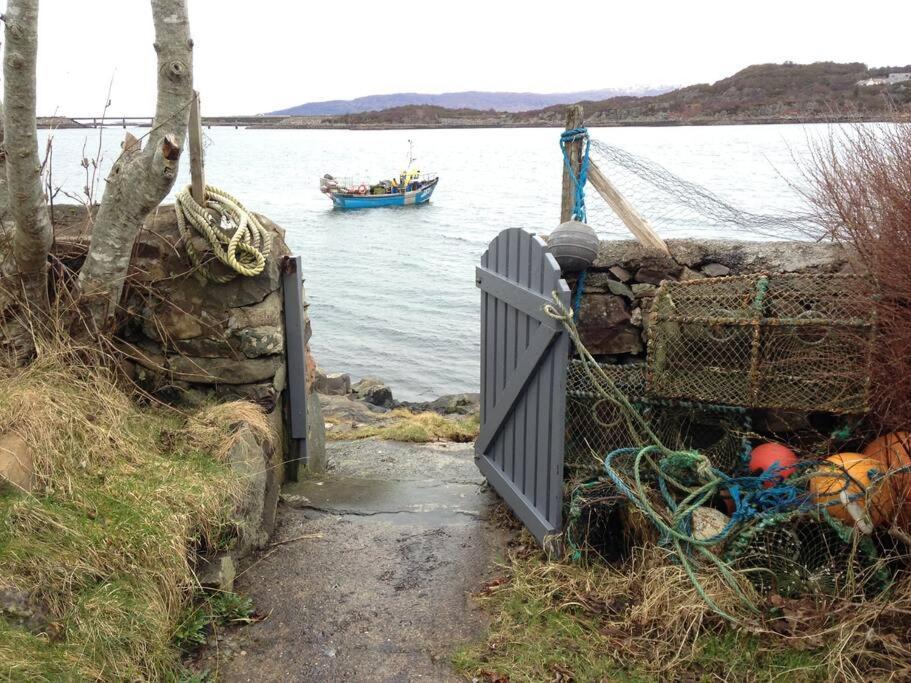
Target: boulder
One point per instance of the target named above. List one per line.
(17, 463)
(688, 274)
(217, 572)
(449, 404)
(641, 289)
(345, 411)
(334, 384)
(621, 273)
(316, 437)
(261, 341)
(266, 313)
(619, 289)
(654, 275)
(17, 607)
(604, 325)
(716, 270)
(254, 514)
(613, 340)
(373, 391)
(602, 310)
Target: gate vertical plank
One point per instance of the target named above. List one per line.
(535, 283)
(485, 298)
(512, 272)
(502, 369)
(490, 383)
(520, 425)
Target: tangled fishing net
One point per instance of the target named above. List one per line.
(674, 206)
(644, 468)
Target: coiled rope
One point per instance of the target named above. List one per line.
(234, 235)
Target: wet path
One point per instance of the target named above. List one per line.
(368, 575)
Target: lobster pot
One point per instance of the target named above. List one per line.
(595, 426)
(799, 342)
(799, 554)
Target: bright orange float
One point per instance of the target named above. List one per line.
(894, 451)
(767, 455)
(854, 474)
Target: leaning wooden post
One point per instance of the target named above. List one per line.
(627, 213)
(197, 164)
(574, 150)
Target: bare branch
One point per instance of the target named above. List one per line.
(139, 180)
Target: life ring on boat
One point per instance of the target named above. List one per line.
(362, 189)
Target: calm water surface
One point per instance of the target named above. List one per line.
(392, 290)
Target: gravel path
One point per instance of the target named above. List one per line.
(368, 575)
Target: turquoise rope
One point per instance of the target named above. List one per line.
(577, 299)
(580, 178)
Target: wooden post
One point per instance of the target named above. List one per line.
(574, 149)
(197, 165)
(627, 213)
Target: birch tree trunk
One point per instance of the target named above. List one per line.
(33, 232)
(140, 179)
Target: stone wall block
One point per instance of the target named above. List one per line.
(261, 341)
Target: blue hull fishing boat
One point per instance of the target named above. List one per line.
(394, 192)
(409, 188)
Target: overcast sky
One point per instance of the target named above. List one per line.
(258, 56)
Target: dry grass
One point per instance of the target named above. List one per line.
(403, 425)
(105, 543)
(643, 620)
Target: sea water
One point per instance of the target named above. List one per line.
(392, 290)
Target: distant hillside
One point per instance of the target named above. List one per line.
(484, 101)
(764, 93)
(820, 91)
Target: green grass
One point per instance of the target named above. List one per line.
(559, 622)
(105, 544)
(403, 425)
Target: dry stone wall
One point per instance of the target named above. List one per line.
(621, 284)
(189, 340)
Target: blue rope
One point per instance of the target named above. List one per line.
(577, 299)
(581, 177)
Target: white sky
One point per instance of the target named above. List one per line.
(258, 56)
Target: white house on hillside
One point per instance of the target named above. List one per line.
(891, 79)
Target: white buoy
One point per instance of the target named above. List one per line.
(574, 245)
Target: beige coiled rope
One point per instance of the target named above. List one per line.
(243, 245)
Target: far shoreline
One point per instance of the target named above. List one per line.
(310, 123)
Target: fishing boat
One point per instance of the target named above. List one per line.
(410, 187)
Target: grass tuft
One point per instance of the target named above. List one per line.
(643, 621)
(403, 425)
(104, 545)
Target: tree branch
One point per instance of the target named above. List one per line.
(33, 233)
(139, 180)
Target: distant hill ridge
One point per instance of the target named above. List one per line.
(765, 93)
(472, 99)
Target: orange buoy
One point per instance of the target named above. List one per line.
(853, 475)
(894, 451)
(768, 455)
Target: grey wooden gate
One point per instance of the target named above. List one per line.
(524, 356)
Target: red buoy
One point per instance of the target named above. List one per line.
(766, 455)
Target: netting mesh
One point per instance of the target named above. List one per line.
(596, 426)
(779, 341)
(675, 207)
(807, 553)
